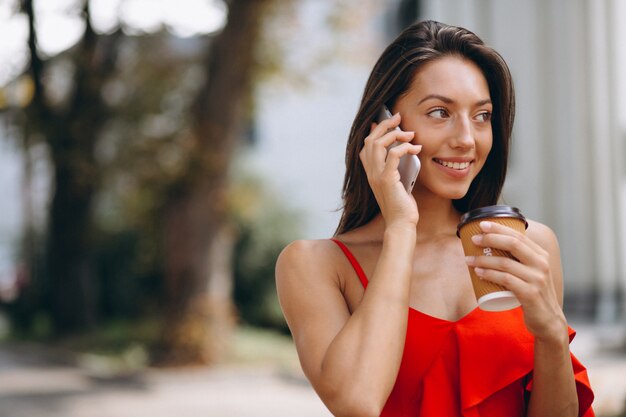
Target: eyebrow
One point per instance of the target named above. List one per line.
(449, 100)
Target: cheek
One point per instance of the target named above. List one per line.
(424, 136)
(485, 144)
(487, 149)
(484, 149)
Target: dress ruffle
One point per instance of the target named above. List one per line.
(583, 386)
(483, 368)
(493, 355)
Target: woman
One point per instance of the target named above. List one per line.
(414, 343)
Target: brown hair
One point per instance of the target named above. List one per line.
(391, 77)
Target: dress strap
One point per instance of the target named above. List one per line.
(355, 264)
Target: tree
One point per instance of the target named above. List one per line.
(186, 202)
(199, 241)
(71, 129)
(197, 238)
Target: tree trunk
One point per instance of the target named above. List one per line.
(71, 131)
(68, 247)
(200, 312)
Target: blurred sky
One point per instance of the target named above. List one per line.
(59, 25)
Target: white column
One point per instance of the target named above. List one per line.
(617, 65)
(602, 151)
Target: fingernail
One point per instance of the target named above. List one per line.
(397, 114)
(479, 271)
(477, 239)
(470, 260)
(485, 226)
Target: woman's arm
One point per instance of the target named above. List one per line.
(536, 278)
(554, 389)
(352, 361)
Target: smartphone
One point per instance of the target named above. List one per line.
(409, 164)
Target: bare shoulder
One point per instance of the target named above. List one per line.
(310, 295)
(543, 236)
(306, 255)
(306, 267)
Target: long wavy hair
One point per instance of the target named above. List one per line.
(391, 77)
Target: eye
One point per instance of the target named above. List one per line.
(484, 116)
(438, 114)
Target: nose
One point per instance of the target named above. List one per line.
(463, 137)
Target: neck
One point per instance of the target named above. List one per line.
(438, 217)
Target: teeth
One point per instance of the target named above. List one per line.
(453, 165)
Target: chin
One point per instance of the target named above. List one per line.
(456, 196)
(447, 190)
(455, 193)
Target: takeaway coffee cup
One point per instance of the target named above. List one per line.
(490, 296)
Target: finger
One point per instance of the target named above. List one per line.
(376, 150)
(502, 264)
(389, 139)
(388, 124)
(374, 157)
(504, 279)
(377, 144)
(390, 173)
(527, 293)
(378, 130)
(399, 149)
(373, 160)
(379, 133)
(397, 152)
(493, 227)
(510, 244)
(508, 239)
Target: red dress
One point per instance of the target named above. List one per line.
(478, 366)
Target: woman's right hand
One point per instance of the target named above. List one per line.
(381, 166)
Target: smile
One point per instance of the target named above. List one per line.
(453, 165)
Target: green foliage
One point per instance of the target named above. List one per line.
(264, 227)
(129, 275)
(127, 280)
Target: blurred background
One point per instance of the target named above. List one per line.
(156, 156)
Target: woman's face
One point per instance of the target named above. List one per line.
(448, 106)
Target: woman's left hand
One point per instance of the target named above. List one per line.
(529, 276)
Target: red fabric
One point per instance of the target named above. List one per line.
(478, 366)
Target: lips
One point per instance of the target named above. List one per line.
(456, 165)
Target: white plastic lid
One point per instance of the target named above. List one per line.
(498, 301)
